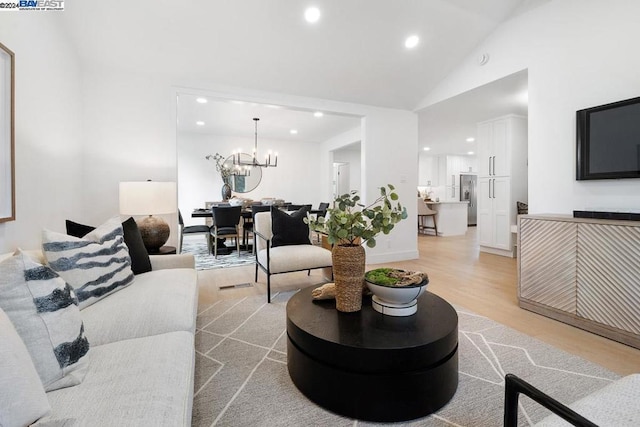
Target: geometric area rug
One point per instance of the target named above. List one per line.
(205, 261)
(241, 376)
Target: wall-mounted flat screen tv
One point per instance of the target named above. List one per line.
(608, 139)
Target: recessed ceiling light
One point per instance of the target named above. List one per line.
(318, 114)
(426, 148)
(200, 123)
(470, 153)
(293, 131)
(471, 139)
(411, 42)
(275, 107)
(312, 14)
(201, 100)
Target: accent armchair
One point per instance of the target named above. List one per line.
(617, 404)
(286, 258)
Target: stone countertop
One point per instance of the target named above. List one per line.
(446, 202)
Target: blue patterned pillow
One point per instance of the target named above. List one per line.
(44, 311)
(95, 266)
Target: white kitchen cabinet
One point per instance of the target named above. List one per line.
(502, 146)
(428, 170)
(502, 182)
(494, 214)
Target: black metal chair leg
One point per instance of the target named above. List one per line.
(268, 288)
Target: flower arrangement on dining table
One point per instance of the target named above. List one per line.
(224, 171)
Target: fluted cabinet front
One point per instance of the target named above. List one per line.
(584, 272)
(548, 263)
(608, 275)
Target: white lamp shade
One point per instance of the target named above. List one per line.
(148, 198)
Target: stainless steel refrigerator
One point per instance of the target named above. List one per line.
(468, 193)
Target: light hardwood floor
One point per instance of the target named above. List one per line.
(483, 283)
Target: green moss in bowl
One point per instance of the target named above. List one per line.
(380, 276)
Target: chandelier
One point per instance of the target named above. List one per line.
(238, 162)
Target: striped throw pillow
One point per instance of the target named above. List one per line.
(44, 311)
(95, 266)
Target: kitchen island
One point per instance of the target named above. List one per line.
(451, 218)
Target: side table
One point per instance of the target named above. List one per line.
(165, 250)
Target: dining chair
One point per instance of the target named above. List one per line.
(226, 220)
(423, 213)
(298, 207)
(194, 229)
(322, 208)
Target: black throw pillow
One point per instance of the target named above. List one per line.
(78, 230)
(289, 229)
(140, 262)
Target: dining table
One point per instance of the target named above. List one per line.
(245, 213)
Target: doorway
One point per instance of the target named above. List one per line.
(341, 179)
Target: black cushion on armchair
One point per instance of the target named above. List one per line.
(289, 229)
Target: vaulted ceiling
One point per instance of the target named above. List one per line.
(354, 53)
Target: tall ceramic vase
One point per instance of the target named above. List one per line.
(226, 192)
(348, 275)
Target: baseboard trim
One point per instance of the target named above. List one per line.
(392, 257)
(495, 251)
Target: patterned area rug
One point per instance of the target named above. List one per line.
(206, 261)
(241, 376)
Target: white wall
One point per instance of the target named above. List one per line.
(579, 53)
(390, 144)
(130, 134)
(295, 179)
(47, 128)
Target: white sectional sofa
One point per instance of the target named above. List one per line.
(141, 358)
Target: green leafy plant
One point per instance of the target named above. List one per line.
(349, 221)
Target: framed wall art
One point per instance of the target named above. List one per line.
(7, 135)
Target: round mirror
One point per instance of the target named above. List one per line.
(241, 183)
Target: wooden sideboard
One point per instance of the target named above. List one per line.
(584, 272)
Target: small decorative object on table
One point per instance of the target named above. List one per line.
(348, 226)
(225, 174)
(396, 291)
(328, 291)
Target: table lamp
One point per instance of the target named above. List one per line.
(149, 198)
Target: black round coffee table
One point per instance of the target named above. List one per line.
(369, 366)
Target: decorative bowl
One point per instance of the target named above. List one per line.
(382, 284)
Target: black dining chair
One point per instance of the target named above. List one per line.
(226, 220)
(298, 207)
(194, 229)
(322, 208)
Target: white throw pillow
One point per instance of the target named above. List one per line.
(22, 397)
(95, 266)
(44, 311)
